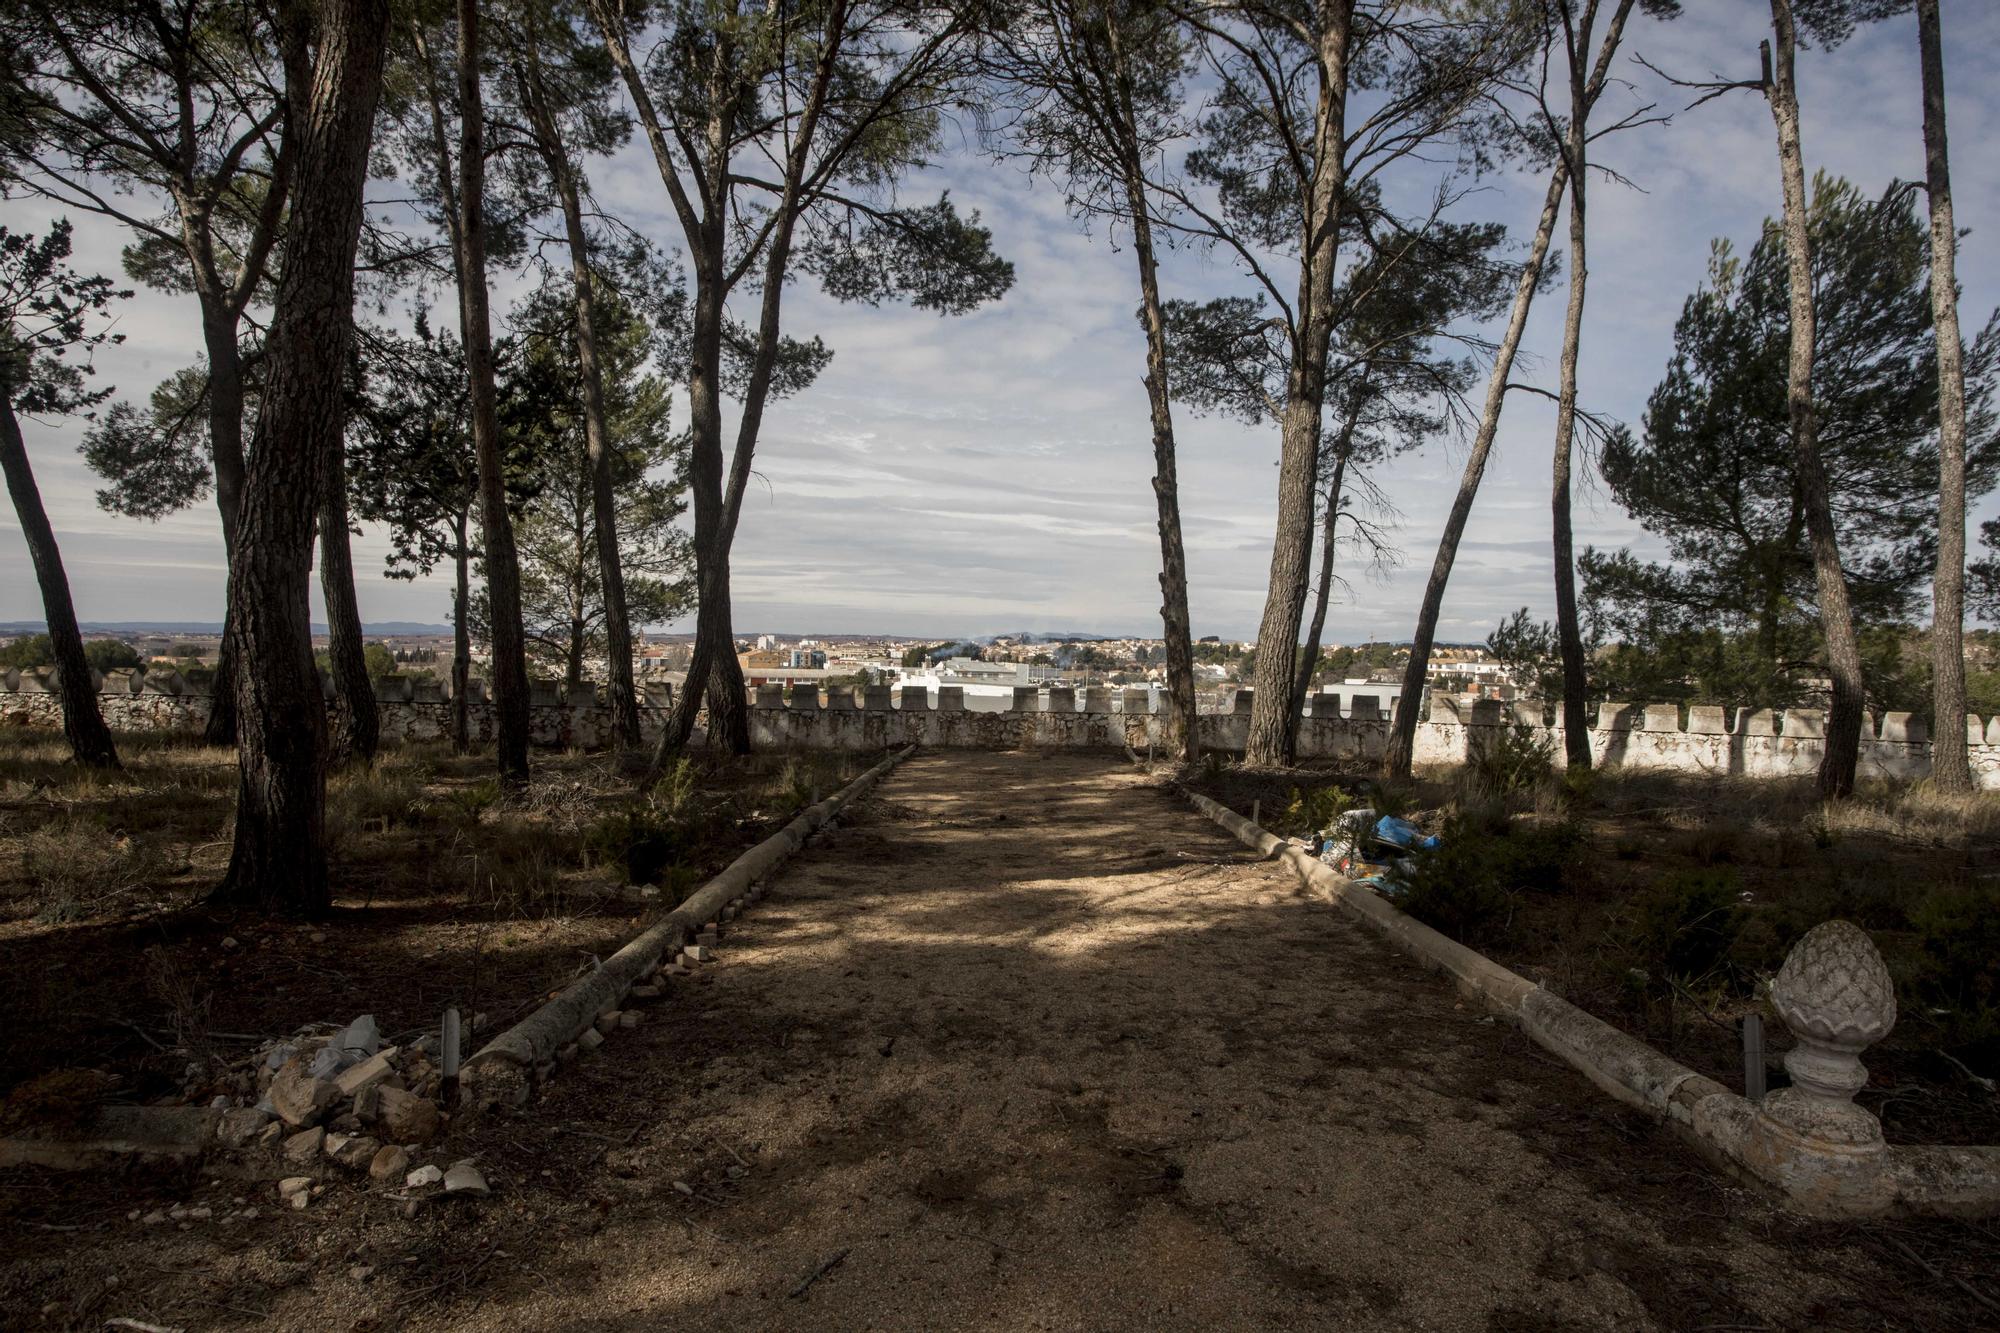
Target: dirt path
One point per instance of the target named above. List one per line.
(1026, 1044)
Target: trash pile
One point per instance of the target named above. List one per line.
(1371, 848)
(349, 1100)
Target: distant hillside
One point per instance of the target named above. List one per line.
(393, 628)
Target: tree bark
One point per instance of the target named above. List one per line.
(1309, 656)
(83, 724)
(1949, 767)
(278, 862)
(1569, 633)
(1843, 648)
(509, 671)
(461, 644)
(1403, 727)
(354, 727)
(1403, 731)
(225, 442)
(597, 440)
(1305, 395)
(1182, 715)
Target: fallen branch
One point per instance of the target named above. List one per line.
(1985, 1083)
(1963, 1285)
(826, 1266)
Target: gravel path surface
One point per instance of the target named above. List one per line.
(1029, 1044)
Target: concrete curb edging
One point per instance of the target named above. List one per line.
(1724, 1127)
(502, 1069)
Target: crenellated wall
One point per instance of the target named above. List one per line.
(1762, 743)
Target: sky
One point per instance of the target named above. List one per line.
(991, 472)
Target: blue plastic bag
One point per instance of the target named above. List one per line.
(1402, 834)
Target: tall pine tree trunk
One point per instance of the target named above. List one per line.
(597, 439)
(83, 724)
(1403, 729)
(278, 861)
(1403, 734)
(355, 723)
(1309, 656)
(461, 644)
(1843, 647)
(1949, 768)
(1182, 713)
(225, 436)
(509, 668)
(1305, 397)
(1569, 633)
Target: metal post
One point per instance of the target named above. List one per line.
(448, 1056)
(1753, 1057)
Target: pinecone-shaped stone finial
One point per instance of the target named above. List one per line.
(1837, 998)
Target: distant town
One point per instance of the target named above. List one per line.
(988, 669)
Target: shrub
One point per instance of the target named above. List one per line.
(518, 873)
(1957, 968)
(1310, 811)
(1517, 758)
(77, 864)
(363, 799)
(1686, 924)
(641, 840)
(1469, 885)
(1460, 888)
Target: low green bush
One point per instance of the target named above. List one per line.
(1685, 925)
(1311, 810)
(1468, 886)
(1516, 759)
(1955, 973)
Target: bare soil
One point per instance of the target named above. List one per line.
(445, 894)
(1023, 1043)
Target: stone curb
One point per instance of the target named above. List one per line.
(116, 1131)
(502, 1069)
(1723, 1126)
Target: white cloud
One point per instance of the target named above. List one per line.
(993, 471)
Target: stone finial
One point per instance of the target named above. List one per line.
(1836, 996)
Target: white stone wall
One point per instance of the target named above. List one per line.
(1758, 744)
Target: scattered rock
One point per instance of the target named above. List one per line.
(295, 1190)
(299, 1098)
(590, 1039)
(305, 1145)
(404, 1117)
(628, 1019)
(353, 1151)
(607, 1022)
(361, 1272)
(268, 1136)
(367, 1074)
(389, 1165)
(464, 1178)
(645, 992)
(422, 1176)
(240, 1125)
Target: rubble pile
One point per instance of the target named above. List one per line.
(345, 1101)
